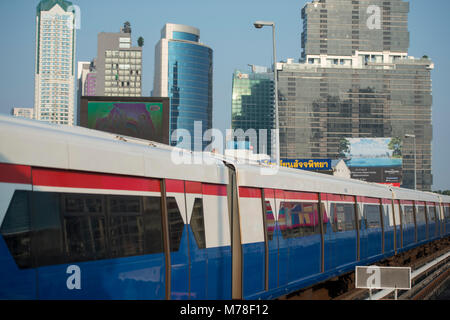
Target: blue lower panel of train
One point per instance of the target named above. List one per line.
(137, 277)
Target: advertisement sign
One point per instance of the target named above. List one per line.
(306, 164)
(374, 159)
(143, 118)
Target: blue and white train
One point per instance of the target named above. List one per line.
(89, 215)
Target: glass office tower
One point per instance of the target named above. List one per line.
(342, 27)
(183, 72)
(252, 105)
(361, 88)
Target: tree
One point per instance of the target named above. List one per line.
(396, 145)
(444, 192)
(344, 148)
(140, 42)
(127, 27)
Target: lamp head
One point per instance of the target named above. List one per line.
(260, 24)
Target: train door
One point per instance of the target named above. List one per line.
(433, 222)
(446, 220)
(388, 227)
(371, 229)
(283, 243)
(252, 240)
(408, 223)
(178, 238)
(217, 243)
(341, 242)
(199, 234)
(273, 232)
(398, 225)
(198, 255)
(302, 234)
(421, 222)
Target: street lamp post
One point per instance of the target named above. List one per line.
(415, 169)
(259, 25)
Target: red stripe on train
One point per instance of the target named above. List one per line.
(337, 197)
(176, 186)
(245, 192)
(214, 189)
(13, 173)
(70, 179)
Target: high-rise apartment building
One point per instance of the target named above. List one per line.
(183, 72)
(55, 62)
(345, 87)
(118, 65)
(23, 112)
(252, 105)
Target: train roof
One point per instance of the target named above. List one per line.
(301, 180)
(408, 194)
(41, 144)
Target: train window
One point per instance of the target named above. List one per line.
(270, 221)
(408, 215)
(153, 224)
(126, 226)
(343, 216)
(16, 229)
(300, 219)
(80, 227)
(176, 223)
(420, 215)
(372, 216)
(84, 229)
(198, 224)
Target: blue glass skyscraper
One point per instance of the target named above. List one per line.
(183, 72)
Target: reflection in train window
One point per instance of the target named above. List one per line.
(298, 219)
(198, 224)
(372, 216)
(153, 225)
(48, 241)
(126, 226)
(176, 223)
(343, 216)
(69, 227)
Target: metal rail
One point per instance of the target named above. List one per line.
(383, 293)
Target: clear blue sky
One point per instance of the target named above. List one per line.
(226, 26)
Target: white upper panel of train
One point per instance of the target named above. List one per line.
(34, 143)
(300, 180)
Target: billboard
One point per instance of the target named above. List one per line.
(374, 159)
(139, 117)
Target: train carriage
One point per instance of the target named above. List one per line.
(91, 215)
